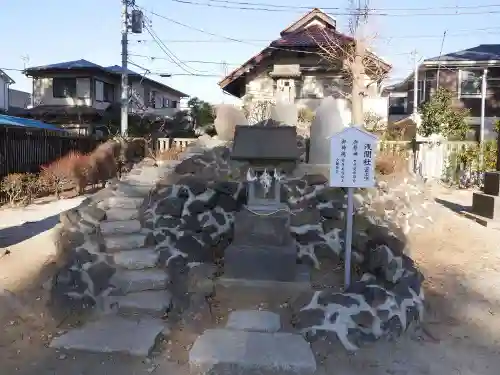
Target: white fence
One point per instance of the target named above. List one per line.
(164, 144)
(431, 160)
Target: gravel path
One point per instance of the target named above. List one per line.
(460, 259)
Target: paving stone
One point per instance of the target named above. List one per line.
(136, 259)
(113, 334)
(122, 214)
(124, 202)
(254, 320)
(222, 351)
(150, 302)
(134, 190)
(120, 227)
(121, 242)
(130, 281)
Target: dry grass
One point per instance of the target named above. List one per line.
(390, 163)
(170, 154)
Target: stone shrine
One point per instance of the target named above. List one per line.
(262, 247)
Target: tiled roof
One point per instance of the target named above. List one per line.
(76, 64)
(310, 37)
(482, 52)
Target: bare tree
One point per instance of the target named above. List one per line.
(354, 56)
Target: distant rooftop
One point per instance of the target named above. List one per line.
(480, 53)
(87, 65)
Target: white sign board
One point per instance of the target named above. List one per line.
(352, 158)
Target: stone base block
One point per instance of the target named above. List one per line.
(261, 228)
(230, 352)
(486, 205)
(278, 263)
(254, 320)
(490, 223)
(113, 334)
(492, 183)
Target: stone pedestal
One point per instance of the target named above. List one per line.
(486, 204)
(262, 248)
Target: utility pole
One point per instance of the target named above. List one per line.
(124, 94)
(483, 113)
(415, 83)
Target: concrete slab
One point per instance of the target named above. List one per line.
(120, 227)
(113, 334)
(133, 190)
(122, 214)
(121, 242)
(151, 302)
(254, 320)
(124, 202)
(136, 259)
(130, 281)
(224, 352)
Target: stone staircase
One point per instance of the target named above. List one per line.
(129, 320)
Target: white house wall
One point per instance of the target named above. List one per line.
(43, 93)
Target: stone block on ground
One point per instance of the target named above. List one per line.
(121, 242)
(129, 281)
(221, 351)
(150, 302)
(114, 214)
(263, 262)
(486, 205)
(136, 259)
(112, 334)
(254, 320)
(120, 227)
(254, 229)
(124, 202)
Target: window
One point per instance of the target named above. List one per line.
(166, 102)
(174, 103)
(64, 87)
(398, 105)
(152, 101)
(109, 92)
(104, 92)
(469, 83)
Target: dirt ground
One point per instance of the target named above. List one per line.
(460, 259)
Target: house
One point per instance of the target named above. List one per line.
(19, 99)
(290, 68)
(460, 72)
(90, 86)
(5, 82)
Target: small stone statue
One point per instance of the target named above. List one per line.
(251, 177)
(266, 181)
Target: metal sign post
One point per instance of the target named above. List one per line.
(352, 159)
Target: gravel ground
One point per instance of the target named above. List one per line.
(461, 332)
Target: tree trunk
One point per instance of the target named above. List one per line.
(357, 91)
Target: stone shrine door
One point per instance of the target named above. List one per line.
(285, 90)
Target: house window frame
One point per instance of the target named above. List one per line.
(72, 95)
(472, 96)
(173, 103)
(165, 102)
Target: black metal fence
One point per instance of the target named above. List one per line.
(26, 150)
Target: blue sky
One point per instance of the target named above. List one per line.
(53, 31)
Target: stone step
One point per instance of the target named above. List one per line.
(151, 302)
(130, 281)
(136, 259)
(254, 320)
(222, 351)
(113, 334)
(133, 190)
(120, 227)
(115, 243)
(124, 202)
(122, 214)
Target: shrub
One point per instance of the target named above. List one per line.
(306, 114)
(103, 161)
(57, 175)
(20, 188)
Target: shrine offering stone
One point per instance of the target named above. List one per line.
(253, 229)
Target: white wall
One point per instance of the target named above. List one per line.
(19, 99)
(4, 94)
(43, 93)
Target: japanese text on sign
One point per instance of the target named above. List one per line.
(352, 158)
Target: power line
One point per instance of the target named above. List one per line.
(163, 74)
(464, 32)
(373, 12)
(185, 61)
(309, 7)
